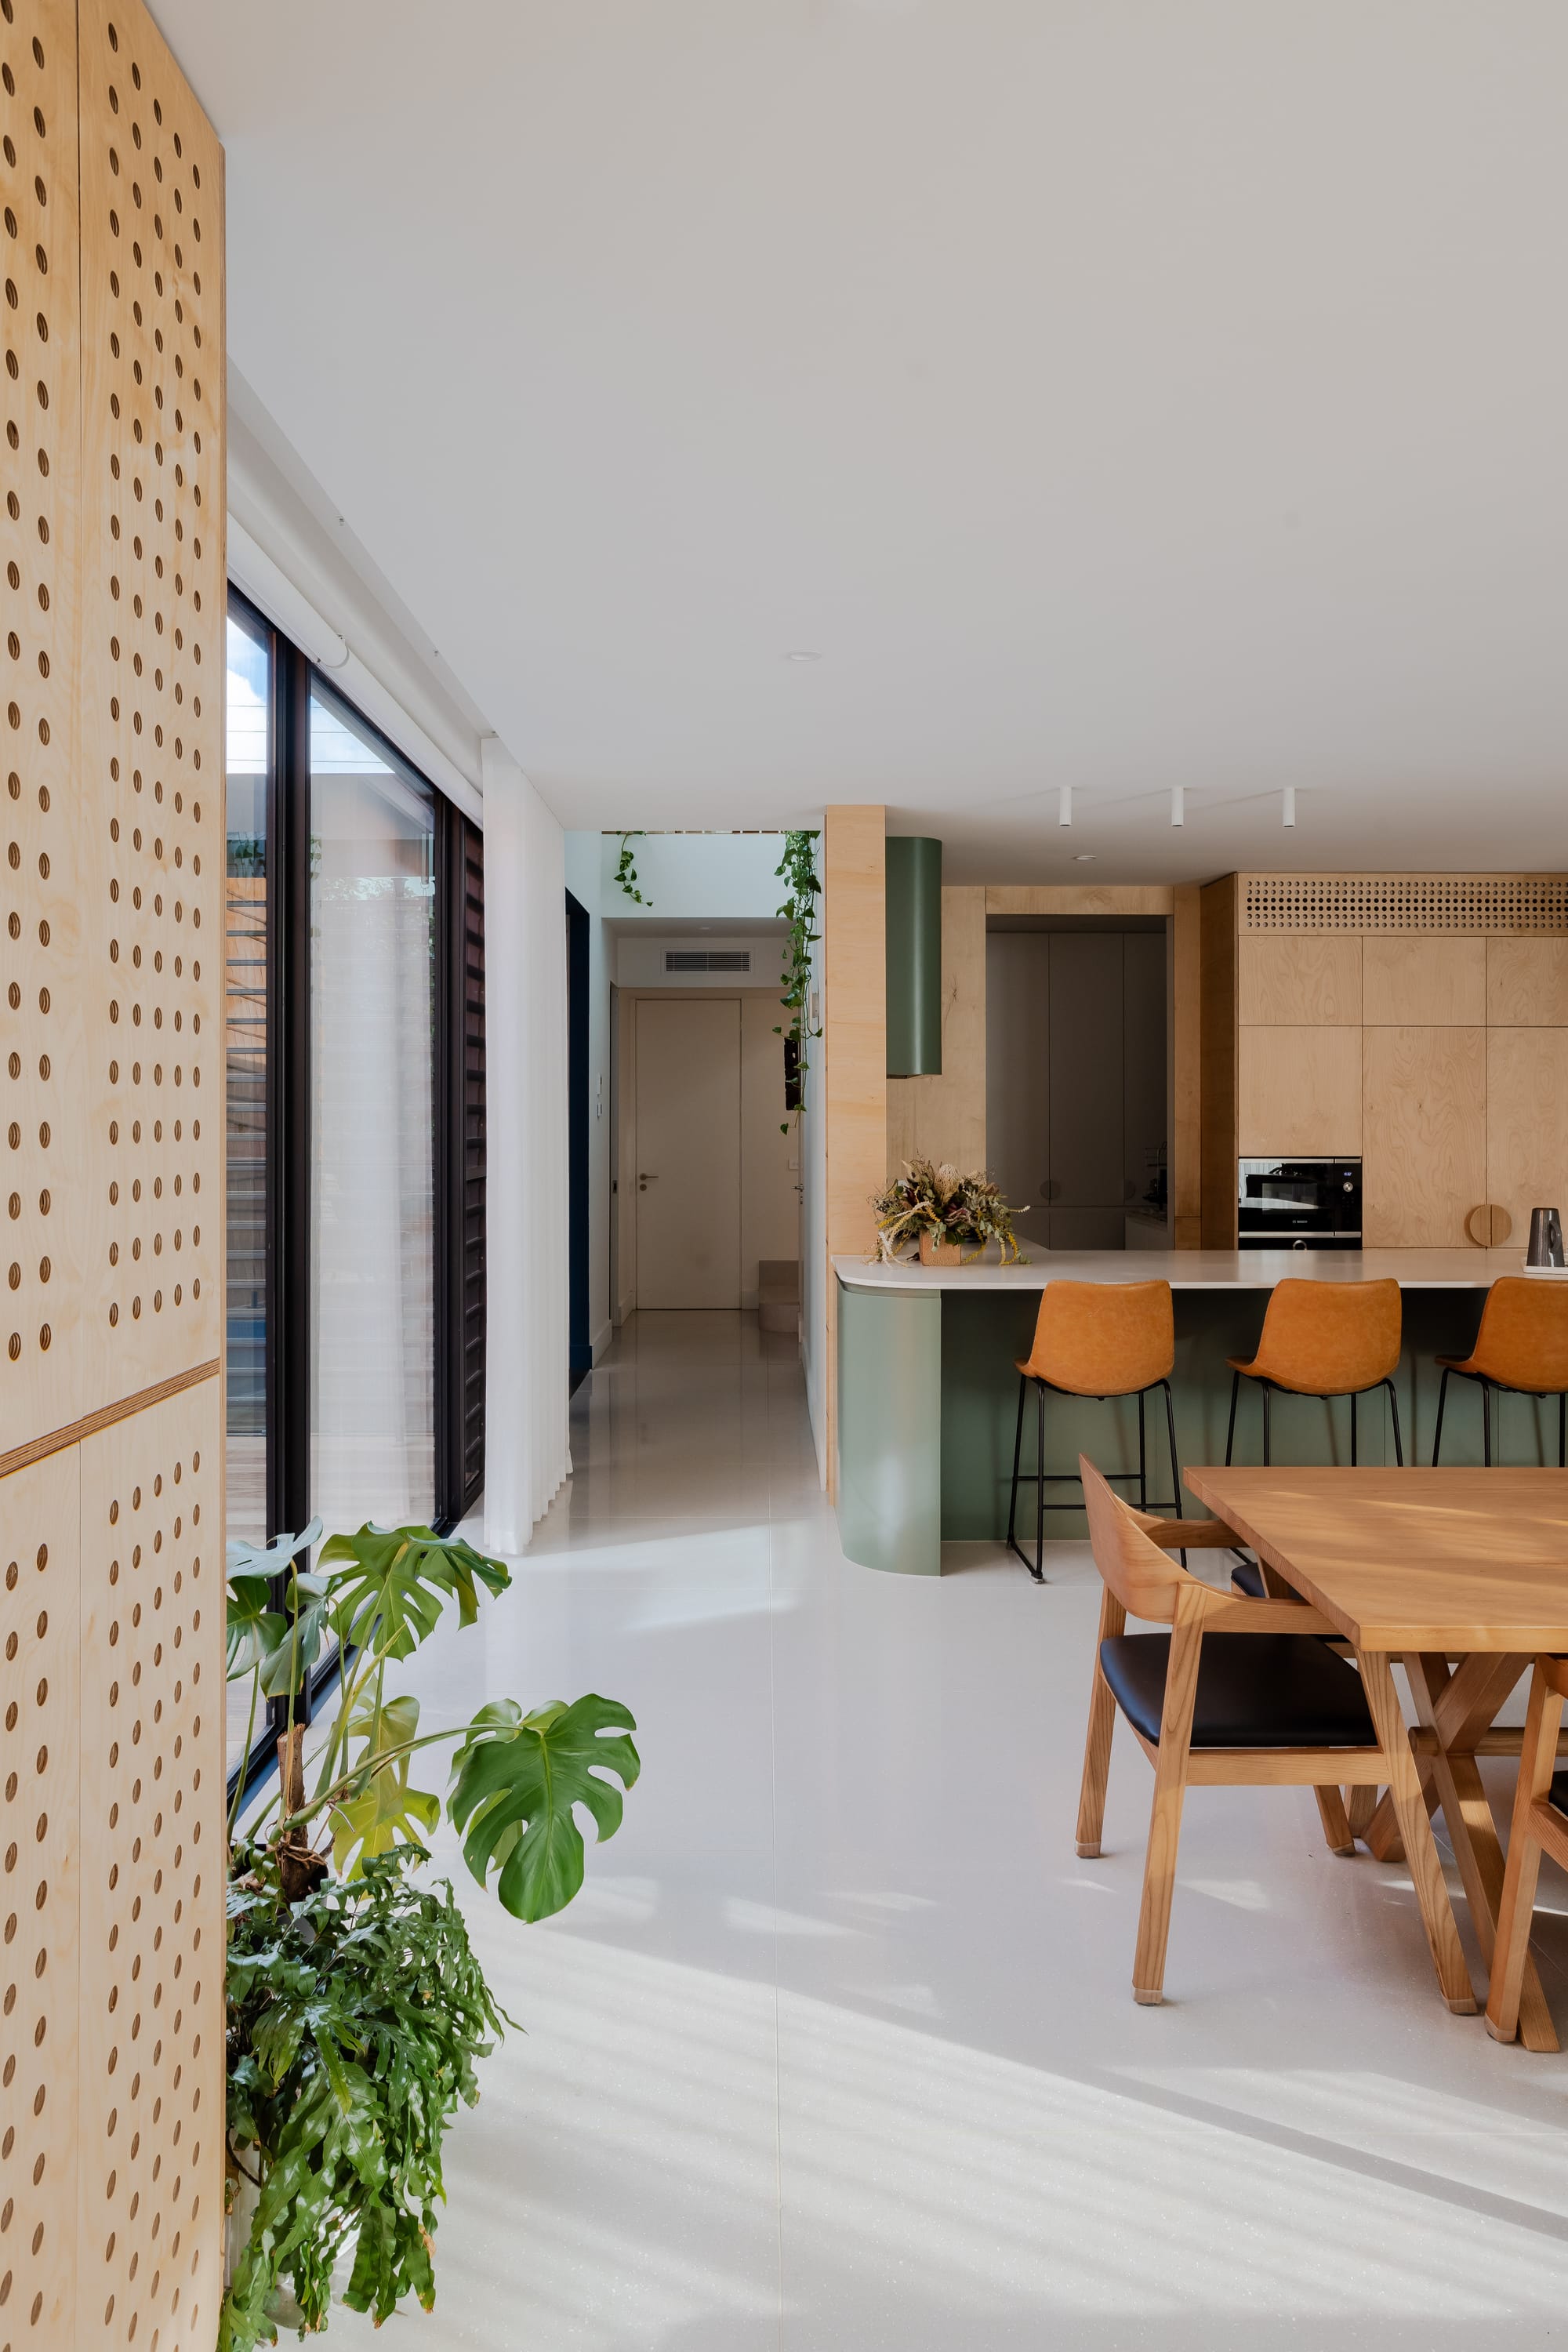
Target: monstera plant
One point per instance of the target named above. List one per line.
(356, 2007)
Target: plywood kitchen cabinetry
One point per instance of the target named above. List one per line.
(1421, 1021)
(1424, 1141)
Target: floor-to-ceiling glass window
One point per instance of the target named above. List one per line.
(355, 959)
(249, 708)
(373, 999)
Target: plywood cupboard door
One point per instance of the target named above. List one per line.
(1423, 1134)
(1292, 980)
(1300, 1091)
(1527, 1121)
(1424, 982)
(1526, 983)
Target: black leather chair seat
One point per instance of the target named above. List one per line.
(1255, 1690)
(1247, 1576)
(1557, 1795)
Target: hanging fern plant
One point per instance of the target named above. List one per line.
(627, 872)
(798, 868)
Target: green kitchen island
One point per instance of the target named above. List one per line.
(928, 1393)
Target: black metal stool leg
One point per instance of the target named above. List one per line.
(1394, 1409)
(1175, 1465)
(1562, 1432)
(1038, 1570)
(1018, 1455)
(1353, 1402)
(1486, 1424)
(1230, 1432)
(1266, 1435)
(1142, 1459)
(1437, 1432)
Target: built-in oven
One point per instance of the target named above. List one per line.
(1305, 1204)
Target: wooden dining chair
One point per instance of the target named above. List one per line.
(1238, 1691)
(1539, 1826)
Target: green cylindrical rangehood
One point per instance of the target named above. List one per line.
(914, 957)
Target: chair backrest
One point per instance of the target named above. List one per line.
(1104, 1338)
(1523, 1338)
(1145, 1579)
(1326, 1338)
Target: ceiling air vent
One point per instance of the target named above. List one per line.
(1405, 902)
(708, 960)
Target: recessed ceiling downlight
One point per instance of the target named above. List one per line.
(803, 653)
(1083, 857)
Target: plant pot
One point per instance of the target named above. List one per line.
(936, 1253)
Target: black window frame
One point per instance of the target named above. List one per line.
(456, 1130)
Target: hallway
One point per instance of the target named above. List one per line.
(835, 2049)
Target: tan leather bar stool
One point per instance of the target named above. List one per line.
(1325, 1340)
(1320, 1340)
(1094, 1340)
(1522, 1349)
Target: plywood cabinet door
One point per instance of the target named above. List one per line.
(1526, 983)
(1288, 978)
(1424, 982)
(1424, 1157)
(1298, 1091)
(1527, 1121)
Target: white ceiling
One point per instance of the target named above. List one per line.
(1121, 393)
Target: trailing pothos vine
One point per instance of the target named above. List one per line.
(798, 868)
(627, 872)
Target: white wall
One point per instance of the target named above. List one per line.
(711, 877)
(639, 959)
(582, 879)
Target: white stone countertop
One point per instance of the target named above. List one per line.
(1413, 1269)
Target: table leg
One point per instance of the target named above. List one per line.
(1472, 1830)
(1421, 1853)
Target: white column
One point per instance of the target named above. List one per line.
(526, 1449)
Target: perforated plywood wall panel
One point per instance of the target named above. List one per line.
(42, 1081)
(153, 670)
(150, 2105)
(110, 995)
(40, 1895)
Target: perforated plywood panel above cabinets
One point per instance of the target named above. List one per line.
(153, 671)
(1481, 903)
(41, 1904)
(42, 1071)
(152, 2079)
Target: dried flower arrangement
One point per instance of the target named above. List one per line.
(951, 1208)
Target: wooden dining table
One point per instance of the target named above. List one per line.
(1463, 1575)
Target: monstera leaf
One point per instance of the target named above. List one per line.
(516, 1779)
(253, 1629)
(398, 1581)
(284, 1670)
(269, 1560)
(257, 1629)
(385, 1809)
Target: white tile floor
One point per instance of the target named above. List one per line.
(836, 2048)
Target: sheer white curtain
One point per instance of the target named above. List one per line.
(526, 1449)
(372, 1258)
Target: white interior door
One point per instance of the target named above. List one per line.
(687, 1172)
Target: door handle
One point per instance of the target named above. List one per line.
(644, 1181)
